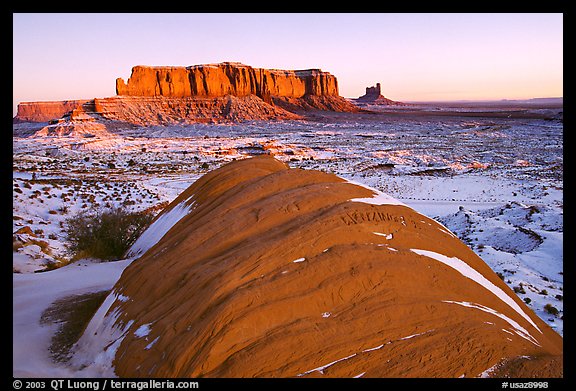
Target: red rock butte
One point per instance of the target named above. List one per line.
(260, 270)
(225, 92)
(228, 78)
(374, 96)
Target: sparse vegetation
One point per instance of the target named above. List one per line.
(106, 234)
(551, 309)
(519, 289)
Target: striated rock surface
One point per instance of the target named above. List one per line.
(259, 270)
(45, 111)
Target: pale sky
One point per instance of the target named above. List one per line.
(415, 57)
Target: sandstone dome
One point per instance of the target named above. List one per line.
(261, 270)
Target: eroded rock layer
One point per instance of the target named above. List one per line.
(153, 110)
(259, 270)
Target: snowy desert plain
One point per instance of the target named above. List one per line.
(492, 174)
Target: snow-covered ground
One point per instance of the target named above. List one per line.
(496, 183)
(33, 294)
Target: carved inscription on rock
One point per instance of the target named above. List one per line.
(359, 217)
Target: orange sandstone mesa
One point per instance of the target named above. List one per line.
(223, 92)
(228, 78)
(260, 270)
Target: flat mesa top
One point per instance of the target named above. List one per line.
(232, 64)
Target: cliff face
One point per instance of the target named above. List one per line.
(45, 111)
(215, 80)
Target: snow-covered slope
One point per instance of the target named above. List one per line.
(503, 198)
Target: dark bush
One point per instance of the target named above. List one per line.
(519, 289)
(105, 234)
(551, 309)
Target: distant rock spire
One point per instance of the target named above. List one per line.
(374, 96)
(373, 91)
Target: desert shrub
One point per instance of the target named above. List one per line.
(104, 234)
(551, 309)
(519, 289)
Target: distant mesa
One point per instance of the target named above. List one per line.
(45, 111)
(261, 270)
(374, 96)
(224, 92)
